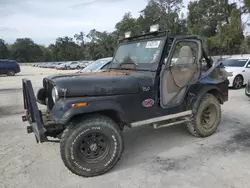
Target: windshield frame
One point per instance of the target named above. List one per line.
(141, 66)
(236, 59)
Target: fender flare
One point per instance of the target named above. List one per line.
(196, 98)
(92, 108)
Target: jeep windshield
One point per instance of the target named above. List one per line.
(138, 53)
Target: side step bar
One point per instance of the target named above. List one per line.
(165, 118)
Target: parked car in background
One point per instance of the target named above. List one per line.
(64, 66)
(74, 65)
(84, 64)
(49, 65)
(99, 65)
(41, 65)
(55, 64)
(239, 68)
(9, 67)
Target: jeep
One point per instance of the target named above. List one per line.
(153, 79)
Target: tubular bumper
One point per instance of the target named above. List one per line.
(33, 114)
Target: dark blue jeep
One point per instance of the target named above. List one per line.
(153, 79)
(9, 67)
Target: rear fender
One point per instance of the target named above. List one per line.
(195, 98)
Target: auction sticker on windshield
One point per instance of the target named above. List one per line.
(153, 44)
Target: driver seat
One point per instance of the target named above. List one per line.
(186, 69)
(185, 56)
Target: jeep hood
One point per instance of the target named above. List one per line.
(95, 84)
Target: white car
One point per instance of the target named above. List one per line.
(75, 65)
(239, 70)
(99, 65)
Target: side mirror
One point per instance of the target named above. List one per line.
(248, 66)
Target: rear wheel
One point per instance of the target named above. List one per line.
(11, 73)
(207, 117)
(238, 82)
(92, 146)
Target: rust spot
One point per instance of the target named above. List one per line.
(125, 72)
(120, 72)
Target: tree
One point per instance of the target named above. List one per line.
(65, 49)
(231, 35)
(247, 4)
(25, 50)
(102, 44)
(46, 54)
(128, 23)
(4, 52)
(219, 22)
(166, 14)
(80, 38)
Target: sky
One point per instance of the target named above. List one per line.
(45, 20)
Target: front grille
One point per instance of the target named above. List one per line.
(48, 85)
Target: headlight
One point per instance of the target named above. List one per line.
(54, 94)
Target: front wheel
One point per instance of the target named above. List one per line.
(11, 73)
(92, 146)
(207, 117)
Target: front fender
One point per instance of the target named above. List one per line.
(63, 111)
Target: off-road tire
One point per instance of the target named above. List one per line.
(196, 128)
(73, 136)
(11, 73)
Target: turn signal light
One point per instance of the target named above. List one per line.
(78, 105)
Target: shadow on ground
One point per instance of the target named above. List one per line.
(144, 145)
(6, 111)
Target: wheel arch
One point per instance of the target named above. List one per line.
(106, 108)
(212, 90)
(215, 92)
(111, 113)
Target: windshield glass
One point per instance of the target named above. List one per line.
(234, 62)
(139, 52)
(95, 65)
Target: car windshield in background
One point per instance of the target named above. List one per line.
(95, 65)
(139, 52)
(235, 62)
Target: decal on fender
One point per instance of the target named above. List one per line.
(148, 103)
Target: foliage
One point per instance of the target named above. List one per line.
(4, 51)
(219, 22)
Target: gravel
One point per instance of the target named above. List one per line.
(168, 157)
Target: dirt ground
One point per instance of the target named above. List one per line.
(168, 157)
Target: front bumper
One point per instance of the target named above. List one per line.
(33, 114)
